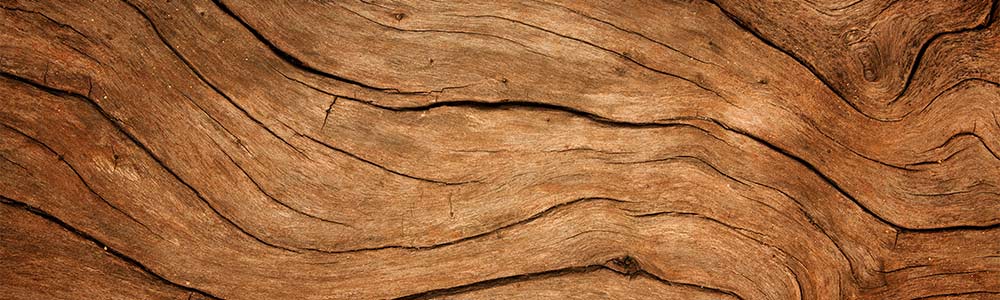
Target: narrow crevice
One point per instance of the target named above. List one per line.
(117, 124)
(813, 222)
(11, 161)
(80, 177)
(503, 104)
(963, 134)
(54, 21)
(502, 281)
(235, 137)
(938, 162)
(632, 32)
(285, 56)
(355, 156)
(903, 268)
(855, 152)
(739, 230)
(101, 245)
(685, 157)
(538, 215)
(842, 191)
(329, 109)
(622, 55)
(915, 65)
(954, 86)
(275, 200)
(528, 48)
(205, 80)
(949, 274)
(951, 295)
(749, 28)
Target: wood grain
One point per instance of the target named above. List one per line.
(327, 149)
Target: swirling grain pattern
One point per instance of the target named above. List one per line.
(537, 149)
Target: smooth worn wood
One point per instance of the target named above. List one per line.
(395, 149)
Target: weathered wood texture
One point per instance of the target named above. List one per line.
(237, 149)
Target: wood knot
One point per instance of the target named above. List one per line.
(869, 56)
(399, 16)
(854, 36)
(627, 265)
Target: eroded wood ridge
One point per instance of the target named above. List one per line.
(485, 150)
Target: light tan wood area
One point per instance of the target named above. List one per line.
(381, 149)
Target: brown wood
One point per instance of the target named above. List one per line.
(499, 150)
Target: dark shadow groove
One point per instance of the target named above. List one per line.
(101, 245)
(288, 57)
(622, 55)
(117, 124)
(80, 177)
(546, 212)
(205, 80)
(842, 191)
(275, 200)
(636, 33)
(496, 282)
(923, 48)
(355, 156)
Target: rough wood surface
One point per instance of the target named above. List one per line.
(307, 149)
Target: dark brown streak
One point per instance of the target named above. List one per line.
(288, 58)
(685, 157)
(54, 21)
(958, 294)
(234, 136)
(903, 269)
(947, 158)
(529, 49)
(624, 56)
(809, 218)
(101, 245)
(328, 110)
(504, 104)
(923, 48)
(82, 180)
(81, 52)
(965, 134)
(14, 163)
(355, 156)
(538, 215)
(205, 80)
(486, 284)
(121, 128)
(949, 274)
(749, 28)
(823, 176)
(627, 31)
(261, 189)
(739, 230)
(859, 154)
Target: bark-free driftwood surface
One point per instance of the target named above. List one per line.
(813, 149)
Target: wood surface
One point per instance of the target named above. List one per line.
(556, 149)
